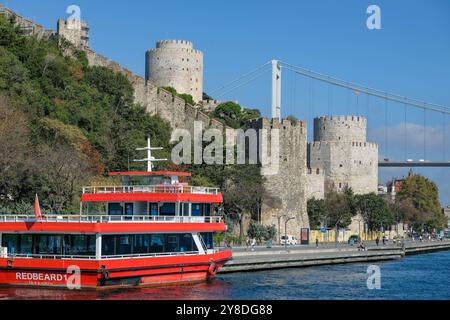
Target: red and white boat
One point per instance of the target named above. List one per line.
(153, 229)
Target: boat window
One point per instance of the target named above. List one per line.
(129, 209)
(141, 243)
(79, 245)
(26, 244)
(108, 245)
(208, 239)
(115, 209)
(153, 207)
(157, 243)
(50, 244)
(197, 209)
(11, 242)
(185, 209)
(147, 243)
(167, 209)
(125, 245)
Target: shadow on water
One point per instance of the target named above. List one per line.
(415, 277)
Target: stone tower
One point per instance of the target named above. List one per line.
(75, 31)
(175, 63)
(341, 149)
(285, 184)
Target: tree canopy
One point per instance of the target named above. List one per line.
(63, 122)
(418, 200)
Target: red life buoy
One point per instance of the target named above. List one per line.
(212, 270)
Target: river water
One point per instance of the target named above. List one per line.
(414, 277)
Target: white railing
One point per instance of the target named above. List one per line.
(51, 256)
(105, 257)
(143, 255)
(109, 219)
(151, 189)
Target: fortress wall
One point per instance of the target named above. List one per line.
(340, 128)
(314, 180)
(347, 164)
(156, 100)
(28, 26)
(285, 184)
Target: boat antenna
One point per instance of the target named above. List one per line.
(150, 159)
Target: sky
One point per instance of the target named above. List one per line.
(409, 56)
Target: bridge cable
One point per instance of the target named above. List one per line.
(390, 96)
(240, 78)
(242, 85)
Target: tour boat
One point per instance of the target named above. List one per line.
(154, 229)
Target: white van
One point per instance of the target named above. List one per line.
(290, 240)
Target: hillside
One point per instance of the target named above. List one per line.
(63, 123)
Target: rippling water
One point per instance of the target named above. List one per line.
(416, 277)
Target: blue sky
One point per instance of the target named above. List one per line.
(410, 56)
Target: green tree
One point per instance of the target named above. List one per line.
(317, 213)
(376, 211)
(423, 195)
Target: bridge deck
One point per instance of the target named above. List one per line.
(414, 164)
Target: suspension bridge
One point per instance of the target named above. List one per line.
(372, 97)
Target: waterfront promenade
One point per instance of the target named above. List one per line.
(277, 257)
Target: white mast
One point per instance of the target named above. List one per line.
(149, 158)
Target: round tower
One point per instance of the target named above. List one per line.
(175, 63)
(341, 149)
(340, 128)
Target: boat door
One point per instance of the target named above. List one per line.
(129, 209)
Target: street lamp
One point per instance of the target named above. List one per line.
(285, 230)
(279, 227)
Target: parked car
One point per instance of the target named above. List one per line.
(290, 240)
(354, 239)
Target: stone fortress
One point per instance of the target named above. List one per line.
(175, 63)
(339, 156)
(341, 149)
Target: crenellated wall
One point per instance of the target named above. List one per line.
(157, 100)
(340, 148)
(28, 26)
(340, 128)
(285, 184)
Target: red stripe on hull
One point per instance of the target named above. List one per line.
(121, 273)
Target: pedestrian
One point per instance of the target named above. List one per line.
(377, 241)
(253, 244)
(420, 238)
(361, 246)
(317, 242)
(384, 240)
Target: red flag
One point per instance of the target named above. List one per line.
(37, 209)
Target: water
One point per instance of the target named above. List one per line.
(416, 277)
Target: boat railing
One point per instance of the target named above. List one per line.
(151, 189)
(143, 255)
(106, 257)
(110, 218)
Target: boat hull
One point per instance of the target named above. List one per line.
(109, 274)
